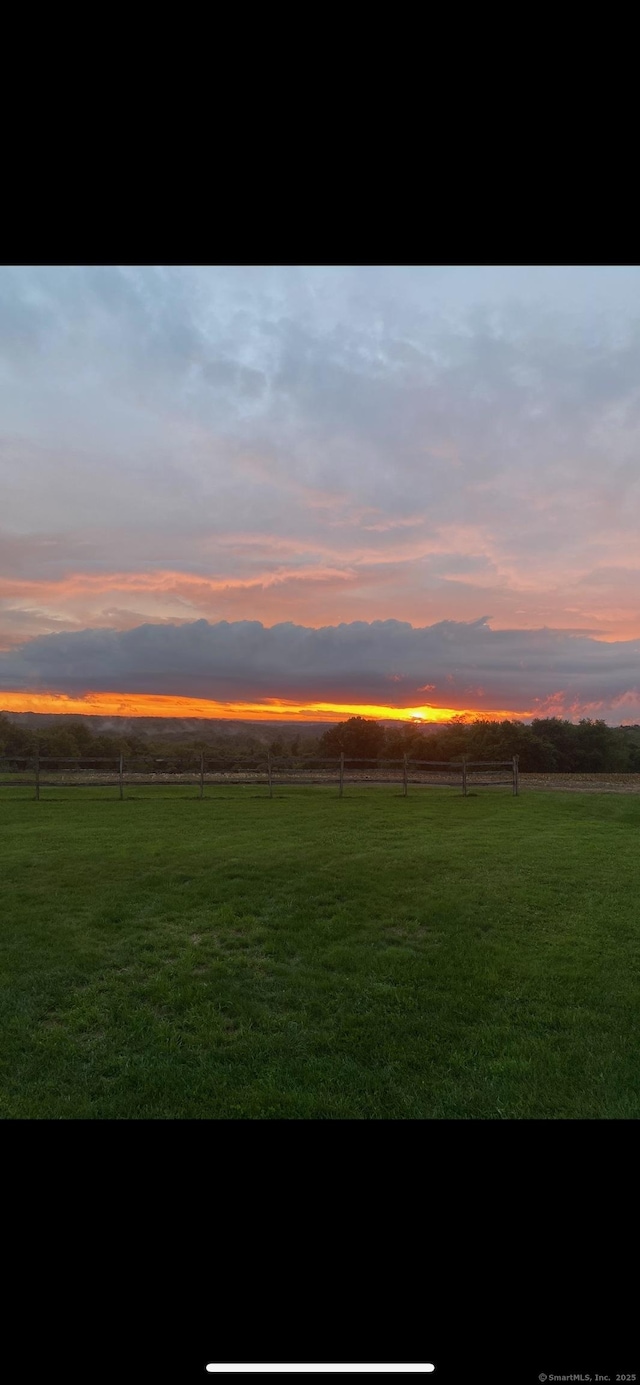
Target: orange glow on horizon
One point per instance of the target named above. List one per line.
(111, 704)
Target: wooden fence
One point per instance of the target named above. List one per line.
(272, 770)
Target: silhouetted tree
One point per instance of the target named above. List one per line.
(358, 738)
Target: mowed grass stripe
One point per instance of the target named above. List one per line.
(312, 957)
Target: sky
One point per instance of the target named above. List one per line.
(313, 491)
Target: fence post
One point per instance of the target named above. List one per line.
(404, 776)
(202, 773)
(37, 775)
(464, 775)
(515, 775)
(269, 773)
(121, 775)
(341, 772)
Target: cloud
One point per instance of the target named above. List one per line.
(386, 663)
(414, 443)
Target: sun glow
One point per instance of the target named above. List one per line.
(110, 704)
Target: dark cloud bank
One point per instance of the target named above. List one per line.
(383, 662)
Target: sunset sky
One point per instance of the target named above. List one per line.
(308, 492)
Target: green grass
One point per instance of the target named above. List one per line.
(310, 957)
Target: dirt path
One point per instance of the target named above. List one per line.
(582, 783)
(565, 783)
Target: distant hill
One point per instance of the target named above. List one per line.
(179, 727)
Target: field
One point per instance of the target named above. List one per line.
(371, 957)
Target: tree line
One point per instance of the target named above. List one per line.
(547, 745)
(61, 745)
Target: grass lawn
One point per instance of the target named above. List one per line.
(310, 957)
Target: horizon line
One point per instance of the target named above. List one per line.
(271, 709)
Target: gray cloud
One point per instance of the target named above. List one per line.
(386, 663)
(448, 440)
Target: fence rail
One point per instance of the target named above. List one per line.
(271, 770)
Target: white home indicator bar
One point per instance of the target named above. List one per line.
(331, 1367)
